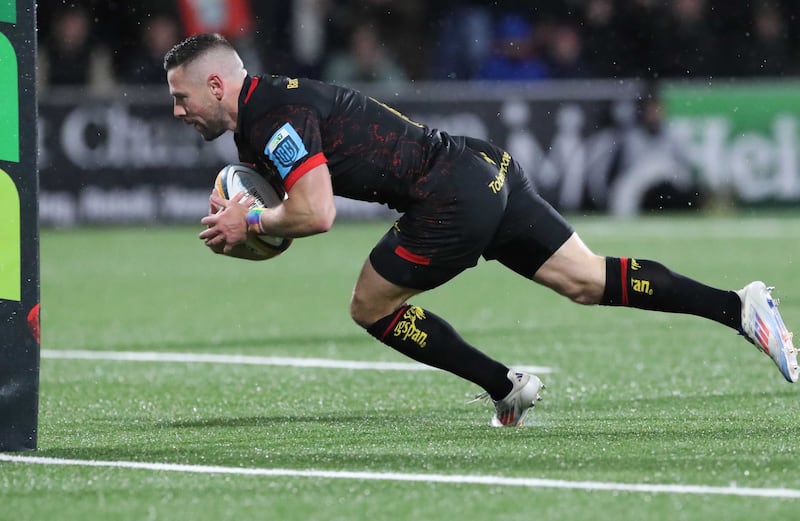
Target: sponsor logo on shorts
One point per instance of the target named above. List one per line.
(407, 327)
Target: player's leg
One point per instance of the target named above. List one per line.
(433, 242)
(382, 308)
(529, 244)
(536, 241)
(576, 272)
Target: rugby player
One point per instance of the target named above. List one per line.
(459, 198)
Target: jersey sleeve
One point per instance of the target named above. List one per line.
(289, 140)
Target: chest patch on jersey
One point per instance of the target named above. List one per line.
(284, 148)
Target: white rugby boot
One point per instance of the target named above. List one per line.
(763, 326)
(511, 410)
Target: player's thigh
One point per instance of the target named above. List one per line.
(530, 232)
(374, 297)
(445, 233)
(537, 242)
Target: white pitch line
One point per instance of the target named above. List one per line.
(459, 479)
(762, 228)
(208, 358)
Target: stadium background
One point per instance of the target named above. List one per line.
(611, 105)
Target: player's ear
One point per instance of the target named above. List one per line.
(216, 86)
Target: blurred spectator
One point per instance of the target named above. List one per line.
(653, 171)
(309, 18)
(231, 18)
(564, 52)
(464, 40)
(159, 34)
(70, 55)
(272, 32)
(447, 39)
(641, 24)
(366, 60)
(514, 55)
(405, 29)
(688, 45)
(603, 39)
(278, 26)
(767, 51)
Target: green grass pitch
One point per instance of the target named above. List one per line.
(645, 415)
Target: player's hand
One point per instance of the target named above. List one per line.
(228, 226)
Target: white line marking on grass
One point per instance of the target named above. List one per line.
(462, 479)
(208, 358)
(698, 228)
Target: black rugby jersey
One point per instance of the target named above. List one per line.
(288, 126)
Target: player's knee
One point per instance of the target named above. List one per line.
(586, 294)
(582, 284)
(363, 314)
(361, 320)
(586, 289)
(582, 288)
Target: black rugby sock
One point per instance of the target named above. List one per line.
(427, 338)
(649, 285)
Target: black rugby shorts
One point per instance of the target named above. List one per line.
(479, 203)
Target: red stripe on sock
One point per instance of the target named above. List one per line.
(623, 272)
(394, 321)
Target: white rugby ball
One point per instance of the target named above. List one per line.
(239, 177)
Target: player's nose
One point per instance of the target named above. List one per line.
(178, 111)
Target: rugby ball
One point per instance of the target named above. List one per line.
(239, 177)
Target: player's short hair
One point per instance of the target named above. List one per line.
(193, 47)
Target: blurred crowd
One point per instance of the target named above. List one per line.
(102, 43)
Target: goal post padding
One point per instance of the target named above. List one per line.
(19, 229)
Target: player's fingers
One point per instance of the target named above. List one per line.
(208, 234)
(216, 240)
(215, 199)
(212, 207)
(240, 197)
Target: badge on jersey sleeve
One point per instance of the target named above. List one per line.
(284, 148)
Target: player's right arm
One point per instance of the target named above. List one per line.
(309, 208)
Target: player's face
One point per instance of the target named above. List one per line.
(195, 105)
